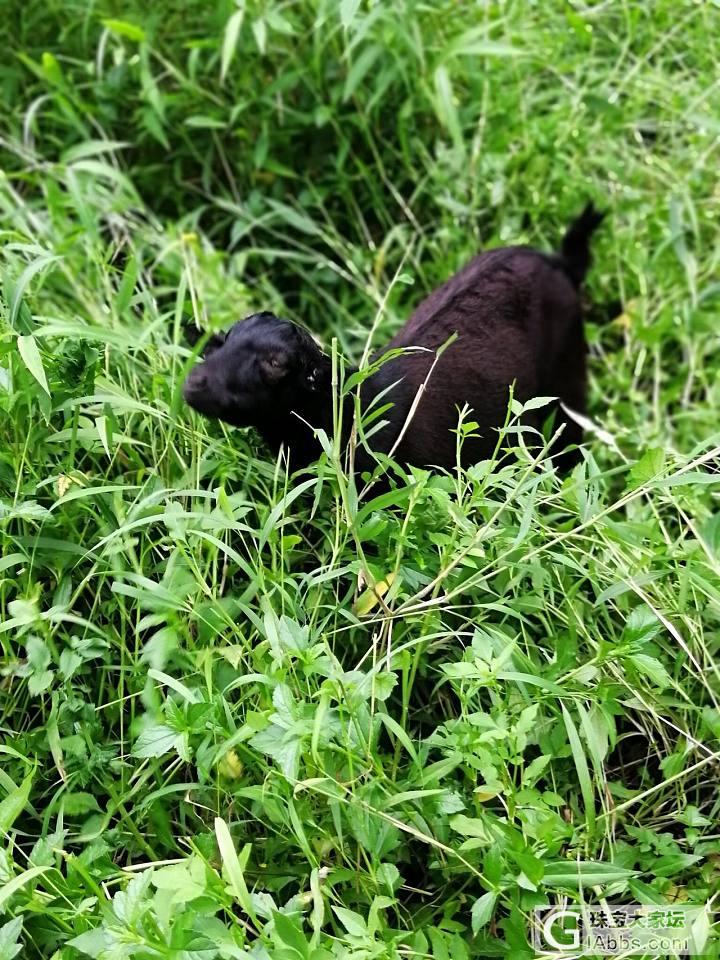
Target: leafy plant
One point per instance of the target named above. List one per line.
(251, 715)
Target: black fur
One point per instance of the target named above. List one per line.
(517, 315)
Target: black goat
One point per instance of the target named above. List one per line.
(516, 313)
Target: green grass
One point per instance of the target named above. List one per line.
(216, 742)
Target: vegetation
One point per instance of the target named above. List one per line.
(218, 739)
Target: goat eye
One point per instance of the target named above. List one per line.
(274, 367)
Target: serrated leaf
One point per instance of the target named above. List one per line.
(282, 745)
(130, 904)
(648, 467)
(10, 945)
(653, 669)
(293, 636)
(642, 625)
(185, 881)
(155, 741)
(284, 704)
(383, 684)
(69, 662)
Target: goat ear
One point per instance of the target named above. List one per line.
(194, 334)
(213, 344)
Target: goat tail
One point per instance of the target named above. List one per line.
(575, 247)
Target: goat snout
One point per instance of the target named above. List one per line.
(195, 385)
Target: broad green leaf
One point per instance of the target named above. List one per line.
(188, 695)
(471, 827)
(155, 741)
(586, 873)
(298, 221)
(79, 803)
(18, 289)
(537, 402)
(127, 286)
(93, 943)
(230, 39)
(445, 105)
(648, 467)
(482, 910)
(474, 43)
(535, 769)
(360, 68)
(10, 888)
(653, 669)
(14, 804)
(234, 866)
(583, 772)
(125, 29)
(30, 354)
(259, 29)
(104, 430)
(642, 625)
(370, 598)
(92, 148)
(129, 905)
(353, 922)
(348, 10)
(202, 122)
(52, 69)
(288, 930)
(186, 880)
(10, 945)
